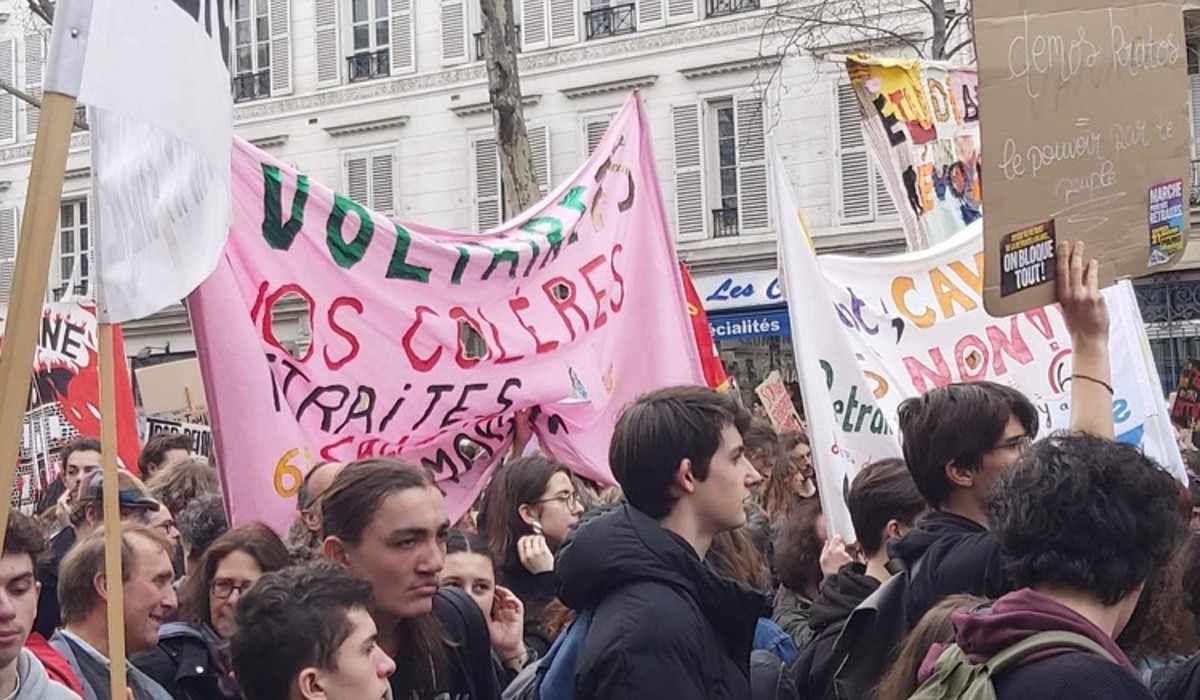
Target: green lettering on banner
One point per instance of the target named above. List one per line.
(574, 199)
(399, 267)
(533, 246)
(278, 234)
(500, 255)
(345, 254)
(464, 257)
(551, 228)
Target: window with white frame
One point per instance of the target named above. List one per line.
(720, 167)
(370, 39)
(251, 49)
(74, 249)
(594, 128)
(864, 197)
(8, 250)
(370, 177)
(486, 179)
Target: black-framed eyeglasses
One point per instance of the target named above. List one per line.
(567, 499)
(1021, 443)
(223, 587)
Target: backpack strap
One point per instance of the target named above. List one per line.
(1043, 641)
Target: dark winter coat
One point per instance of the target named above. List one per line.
(666, 627)
(818, 663)
(536, 591)
(957, 556)
(187, 665)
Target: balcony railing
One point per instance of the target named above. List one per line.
(716, 8)
(251, 86)
(610, 21)
(369, 64)
(725, 222)
(480, 46)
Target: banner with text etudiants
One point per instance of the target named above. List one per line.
(913, 322)
(425, 342)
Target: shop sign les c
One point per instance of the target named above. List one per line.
(739, 290)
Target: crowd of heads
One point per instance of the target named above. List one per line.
(346, 605)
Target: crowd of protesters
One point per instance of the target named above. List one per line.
(982, 564)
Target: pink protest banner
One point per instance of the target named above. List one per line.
(575, 307)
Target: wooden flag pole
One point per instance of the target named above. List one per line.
(113, 575)
(30, 278)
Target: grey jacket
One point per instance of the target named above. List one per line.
(35, 684)
(92, 671)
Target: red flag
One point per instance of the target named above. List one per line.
(710, 359)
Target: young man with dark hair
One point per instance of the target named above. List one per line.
(884, 505)
(959, 439)
(1083, 523)
(149, 595)
(162, 450)
(664, 625)
(306, 633)
(22, 675)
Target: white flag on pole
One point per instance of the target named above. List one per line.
(161, 114)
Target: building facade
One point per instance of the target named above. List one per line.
(387, 102)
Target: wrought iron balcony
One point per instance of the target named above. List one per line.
(716, 8)
(610, 21)
(369, 64)
(725, 222)
(251, 86)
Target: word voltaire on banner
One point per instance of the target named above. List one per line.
(914, 322)
(577, 307)
(65, 397)
(921, 120)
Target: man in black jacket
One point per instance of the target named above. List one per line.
(665, 626)
(884, 505)
(959, 439)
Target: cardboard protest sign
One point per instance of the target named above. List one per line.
(65, 397)
(171, 387)
(1087, 137)
(425, 342)
(1186, 409)
(910, 323)
(778, 402)
(921, 120)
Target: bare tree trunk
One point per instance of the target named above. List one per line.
(937, 49)
(519, 182)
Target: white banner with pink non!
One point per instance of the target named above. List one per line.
(423, 343)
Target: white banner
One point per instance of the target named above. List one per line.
(916, 321)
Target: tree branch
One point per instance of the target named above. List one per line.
(43, 9)
(959, 47)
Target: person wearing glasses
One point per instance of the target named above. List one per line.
(529, 509)
(191, 660)
(305, 536)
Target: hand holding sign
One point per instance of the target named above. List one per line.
(1086, 316)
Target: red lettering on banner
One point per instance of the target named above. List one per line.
(598, 294)
(421, 364)
(567, 302)
(614, 303)
(504, 357)
(341, 331)
(517, 305)
(268, 330)
(460, 315)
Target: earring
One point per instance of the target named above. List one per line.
(537, 527)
